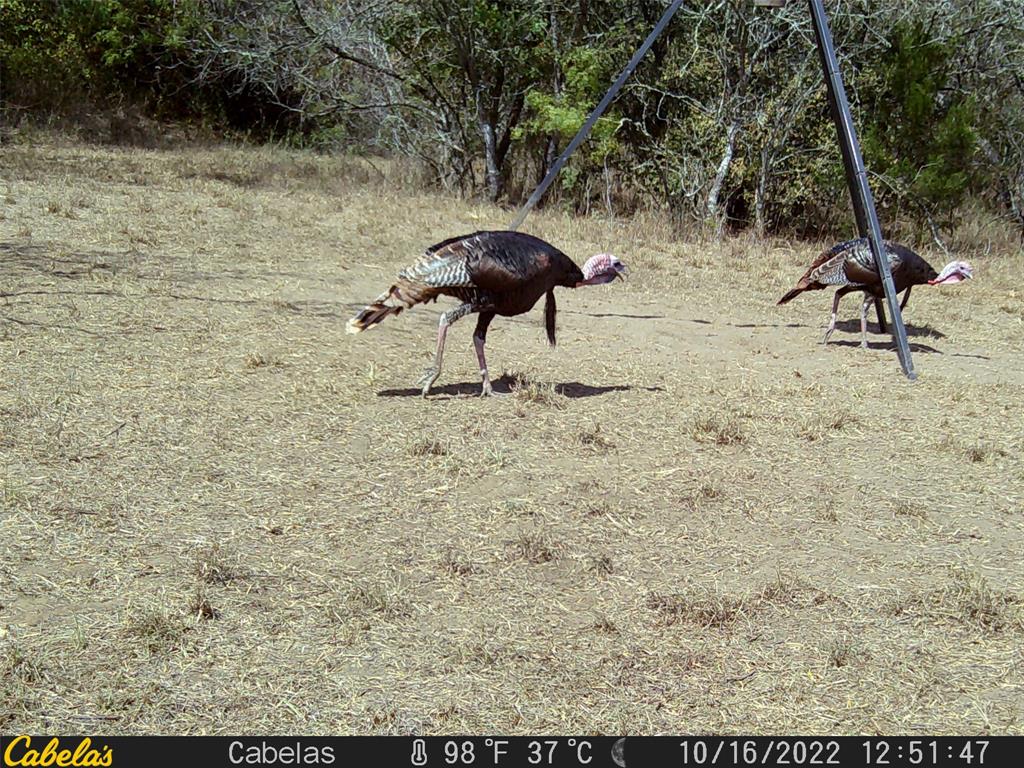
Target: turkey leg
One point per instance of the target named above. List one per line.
(868, 301)
(479, 340)
(835, 309)
(432, 372)
(906, 298)
(832, 319)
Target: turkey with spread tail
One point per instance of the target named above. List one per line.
(491, 273)
(851, 267)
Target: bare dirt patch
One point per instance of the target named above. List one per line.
(222, 514)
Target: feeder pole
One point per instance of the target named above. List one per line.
(856, 176)
(856, 179)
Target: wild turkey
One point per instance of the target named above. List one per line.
(493, 273)
(852, 266)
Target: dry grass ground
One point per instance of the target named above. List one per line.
(221, 514)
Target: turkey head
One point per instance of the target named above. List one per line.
(954, 272)
(602, 268)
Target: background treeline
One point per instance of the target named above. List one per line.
(724, 125)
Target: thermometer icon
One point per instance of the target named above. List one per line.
(419, 752)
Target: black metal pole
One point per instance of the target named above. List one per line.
(856, 178)
(598, 111)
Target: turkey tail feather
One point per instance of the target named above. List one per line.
(374, 313)
(550, 311)
(790, 295)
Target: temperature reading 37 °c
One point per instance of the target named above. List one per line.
(543, 752)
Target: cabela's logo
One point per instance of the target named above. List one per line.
(21, 752)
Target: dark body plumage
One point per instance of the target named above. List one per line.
(492, 273)
(851, 267)
(504, 272)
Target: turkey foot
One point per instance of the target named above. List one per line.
(487, 390)
(428, 378)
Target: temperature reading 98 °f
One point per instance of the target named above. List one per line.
(459, 752)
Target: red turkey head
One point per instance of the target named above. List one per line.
(954, 272)
(602, 268)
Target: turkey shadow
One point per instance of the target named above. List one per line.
(885, 346)
(853, 326)
(769, 325)
(504, 385)
(914, 347)
(48, 326)
(575, 389)
(619, 314)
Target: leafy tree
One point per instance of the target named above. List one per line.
(921, 135)
(723, 123)
(53, 52)
(475, 60)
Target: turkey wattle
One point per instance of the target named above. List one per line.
(492, 273)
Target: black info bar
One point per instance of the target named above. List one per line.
(508, 751)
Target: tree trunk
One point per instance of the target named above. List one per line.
(495, 181)
(551, 140)
(761, 194)
(546, 161)
(713, 214)
(505, 143)
(608, 189)
(1012, 183)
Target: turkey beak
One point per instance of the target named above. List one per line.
(621, 272)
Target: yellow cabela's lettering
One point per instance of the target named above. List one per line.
(51, 755)
(87, 757)
(20, 753)
(9, 753)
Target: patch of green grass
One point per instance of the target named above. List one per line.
(19, 664)
(842, 650)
